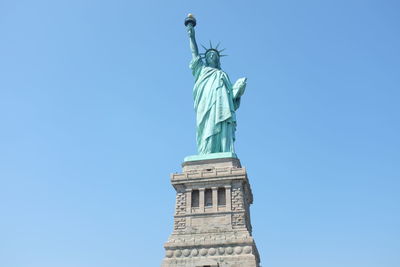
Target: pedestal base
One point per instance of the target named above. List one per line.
(212, 220)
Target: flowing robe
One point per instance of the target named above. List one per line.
(215, 106)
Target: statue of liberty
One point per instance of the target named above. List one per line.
(216, 99)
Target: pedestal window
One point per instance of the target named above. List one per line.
(221, 197)
(208, 198)
(195, 199)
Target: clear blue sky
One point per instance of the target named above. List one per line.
(96, 111)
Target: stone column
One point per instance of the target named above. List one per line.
(228, 197)
(201, 199)
(188, 201)
(215, 198)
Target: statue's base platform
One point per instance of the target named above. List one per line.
(211, 156)
(210, 164)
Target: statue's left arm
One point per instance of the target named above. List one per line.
(238, 90)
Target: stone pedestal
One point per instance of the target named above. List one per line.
(212, 216)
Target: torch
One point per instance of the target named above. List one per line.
(190, 20)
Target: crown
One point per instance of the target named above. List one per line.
(211, 48)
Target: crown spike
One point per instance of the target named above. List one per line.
(217, 45)
(210, 45)
(205, 48)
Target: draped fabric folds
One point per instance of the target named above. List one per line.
(215, 102)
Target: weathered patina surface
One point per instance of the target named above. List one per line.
(216, 99)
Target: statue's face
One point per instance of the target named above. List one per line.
(212, 59)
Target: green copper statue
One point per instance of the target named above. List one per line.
(215, 98)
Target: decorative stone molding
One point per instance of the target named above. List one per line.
(178, 240)
(180, 203)
(194, 252)
(209, 173)
(212, 251)
(169, 253)
(186, 252)
(237, 199)
(179, 224)
(203, 252)
(238, 220)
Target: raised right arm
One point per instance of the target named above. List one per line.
(193, 44)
